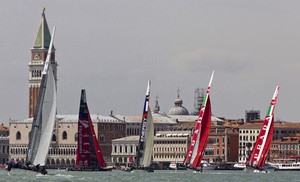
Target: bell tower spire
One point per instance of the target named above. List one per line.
(38, 56)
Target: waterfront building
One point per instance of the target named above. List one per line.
(169, 146)
(249, 132)
(161, 122)
(62, 151)
(222, 140)
(4, 144)
(285, 147)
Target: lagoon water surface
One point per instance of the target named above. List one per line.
(157, 176)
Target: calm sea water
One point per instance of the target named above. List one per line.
(160, 175)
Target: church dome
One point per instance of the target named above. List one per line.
(178, 109)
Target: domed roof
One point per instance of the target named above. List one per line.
(178, 109)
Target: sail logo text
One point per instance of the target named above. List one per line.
(143, 129)
(84, 123)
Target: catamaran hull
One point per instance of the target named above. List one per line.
(177, 167)
(38, 169)
(88, 169)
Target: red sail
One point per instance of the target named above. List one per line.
(267, 146)
(204, 132)
(260, 149)
(201, 131)
(262, 145)
(88, 150)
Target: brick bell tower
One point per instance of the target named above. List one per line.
(36, 64)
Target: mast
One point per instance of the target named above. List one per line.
(263, 142)
(142, 139)
(44, 117)
(204, 117)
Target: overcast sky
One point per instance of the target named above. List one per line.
(111, 48)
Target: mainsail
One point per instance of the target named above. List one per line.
(144, 153)
(88, 149)
(262, 145)
(44, 117)
(201, 132)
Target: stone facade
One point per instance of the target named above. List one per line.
(169, 146)
(4, 144)
(62, 151)
(286, 147)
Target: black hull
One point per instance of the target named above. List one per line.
(146, 169)
(180, 168)
(38, 169)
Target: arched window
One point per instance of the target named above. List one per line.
(64, 135)
(53, 138)
(18, 135)
(76, 137)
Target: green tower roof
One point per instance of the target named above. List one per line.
(43, 36)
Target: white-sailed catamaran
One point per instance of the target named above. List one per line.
(44, 118)
(146, 140)
(262, 145)
(201, 131)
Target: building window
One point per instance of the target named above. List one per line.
(64, 135)
(53, 138)
(18, 135)
(102, 127)
(76, 137)
(101, 138)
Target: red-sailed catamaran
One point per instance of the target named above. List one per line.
(201, 132)
(89, 156)
(262, 145)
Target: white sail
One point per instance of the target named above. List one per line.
(48, 118)
(44, 118)
(147, 158)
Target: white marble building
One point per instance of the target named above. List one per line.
(169, 146)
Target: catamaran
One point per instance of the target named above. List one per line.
(201, 131)
(262, 145)
(146, 140)
(44, 118)
(89, 156)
